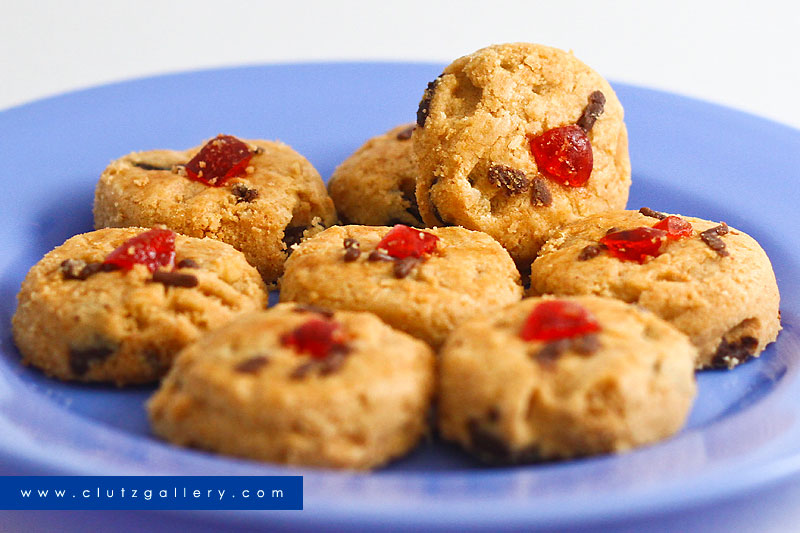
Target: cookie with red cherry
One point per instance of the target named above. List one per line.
(261, 197)
(556, 378)
(300, 385)
(116, 305)
(516, 140)
(423, 282)
(713, 282)
(376, 185)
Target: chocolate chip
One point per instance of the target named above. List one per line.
(81, 358)
(308, 308)
(552, 351)
(646, 211)
(150, 166)
(592, 111)
(175, 279)
(335, 360)
(71, 268)
(80, 270)
(252, 365)
(378, 255)
(413, 208)
(403, 267)
(540, 192)
(712, 239)
(486, 444)
(188, 263)
(302, 370)
(293, 235)
(352, 250)
(586, 344)
(405, 134)
(425, 103)
(612, 229)
(511, 180)
(243, 193)
(730, 354)
(493, 414)
(258, 150)
(590, 252)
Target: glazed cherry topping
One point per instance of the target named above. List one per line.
(153, 249)
(676, 227)
(317, 337)
(222, 158)
(564, 155)
(402, 242)
(635, 244)
(554, 320)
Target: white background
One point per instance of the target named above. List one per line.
(743, 54)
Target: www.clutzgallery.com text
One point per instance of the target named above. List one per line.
(149, 494)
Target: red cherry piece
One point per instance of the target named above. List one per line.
(222, 158)
(554, 320)
(676, 227)
(635, 244)
(564, 155)
(402, 242)
(153, 249)
(317, 337)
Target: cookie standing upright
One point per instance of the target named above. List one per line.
(117, 304)
(549, 378)
(713, 282)
(420, 282)
(301, 386)
(261, 197)
(376, 185)
(517, 139)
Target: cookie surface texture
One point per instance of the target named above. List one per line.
(473, 145)
(241, 390)
(376, 185)
(467, 273)
(125, 327)
(262, 211)
(726, 300)
(508, 400)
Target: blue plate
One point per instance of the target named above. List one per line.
(743, 436)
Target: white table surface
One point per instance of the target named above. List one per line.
(743, 54)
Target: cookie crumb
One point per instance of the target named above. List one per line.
(511, 180)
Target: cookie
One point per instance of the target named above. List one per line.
(423, 283)
(261, 197)
(300, 386)
(547, 379)
(712, 282)
(376, 185)
(82, 316)
(516, 140)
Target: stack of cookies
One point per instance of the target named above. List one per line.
(515, 173)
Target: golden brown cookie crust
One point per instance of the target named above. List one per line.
(120, 326)
(714, 299)
(289, 193)
(504, 403)
(468, 274)
(482, 110)
(368, 411)
(376, 185)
